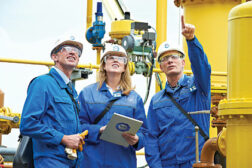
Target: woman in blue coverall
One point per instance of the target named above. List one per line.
(114, 83)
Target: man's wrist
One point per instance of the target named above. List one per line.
(191, 39)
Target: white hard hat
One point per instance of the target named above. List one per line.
(114, 49)
(67, 40)
(167, 46)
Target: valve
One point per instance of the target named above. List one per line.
(8, 120)
(140, 45)
(95, 33)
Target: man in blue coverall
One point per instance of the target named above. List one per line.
(171, 140)
(50, 112)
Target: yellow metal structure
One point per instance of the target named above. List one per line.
(210, 20)
(98, 57)
(222, 142)
(1, 105)
(1, 98)
(20, 61)
(5, 124)
(89, 13)
(237, 109)
(161, 28)
(120, 28)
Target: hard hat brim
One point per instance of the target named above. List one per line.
(68, 42)
(162, 54)
(115, 53)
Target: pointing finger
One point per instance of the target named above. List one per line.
(182, 21)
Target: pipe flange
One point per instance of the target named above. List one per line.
(219, 123)
(238, 106)
(206, 165)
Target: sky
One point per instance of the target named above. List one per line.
(28, 30)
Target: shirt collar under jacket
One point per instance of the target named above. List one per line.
(181, 82)
(116, 93)
(62, 74)
(104, 87)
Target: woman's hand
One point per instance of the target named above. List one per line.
(102, 129)
(131, 139)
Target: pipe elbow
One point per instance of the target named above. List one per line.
(208, 151)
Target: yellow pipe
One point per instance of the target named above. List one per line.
(98, 58)
(140, 153)
(237, 109)
(1, 105)
(90, 66)
(89, 13)
(1, 98)
(161, 28)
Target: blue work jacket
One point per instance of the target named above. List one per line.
(171, 139)
(99, 153)
(49, 114)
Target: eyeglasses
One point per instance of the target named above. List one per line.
(116, 58)
(173, 57)
(69, 49)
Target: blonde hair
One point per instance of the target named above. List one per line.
(125, 82)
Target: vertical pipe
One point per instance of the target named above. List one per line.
(237, 109)
(98, 58)
(161, 28)
(1, 105)
(89, 13)
(1, 98)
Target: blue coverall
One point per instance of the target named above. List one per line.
(171, 140)
(49, 114)
(99, 153)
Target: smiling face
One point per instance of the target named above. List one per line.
(67, 58)
(172, 65)
(115, 64)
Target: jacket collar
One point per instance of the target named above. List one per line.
(58, 78)
(104, 87)
(182, 82)
(63, 76)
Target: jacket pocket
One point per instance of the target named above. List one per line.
(189, 140)
(165, 113)
(62, 100)
(65, 114)
(167, 147)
